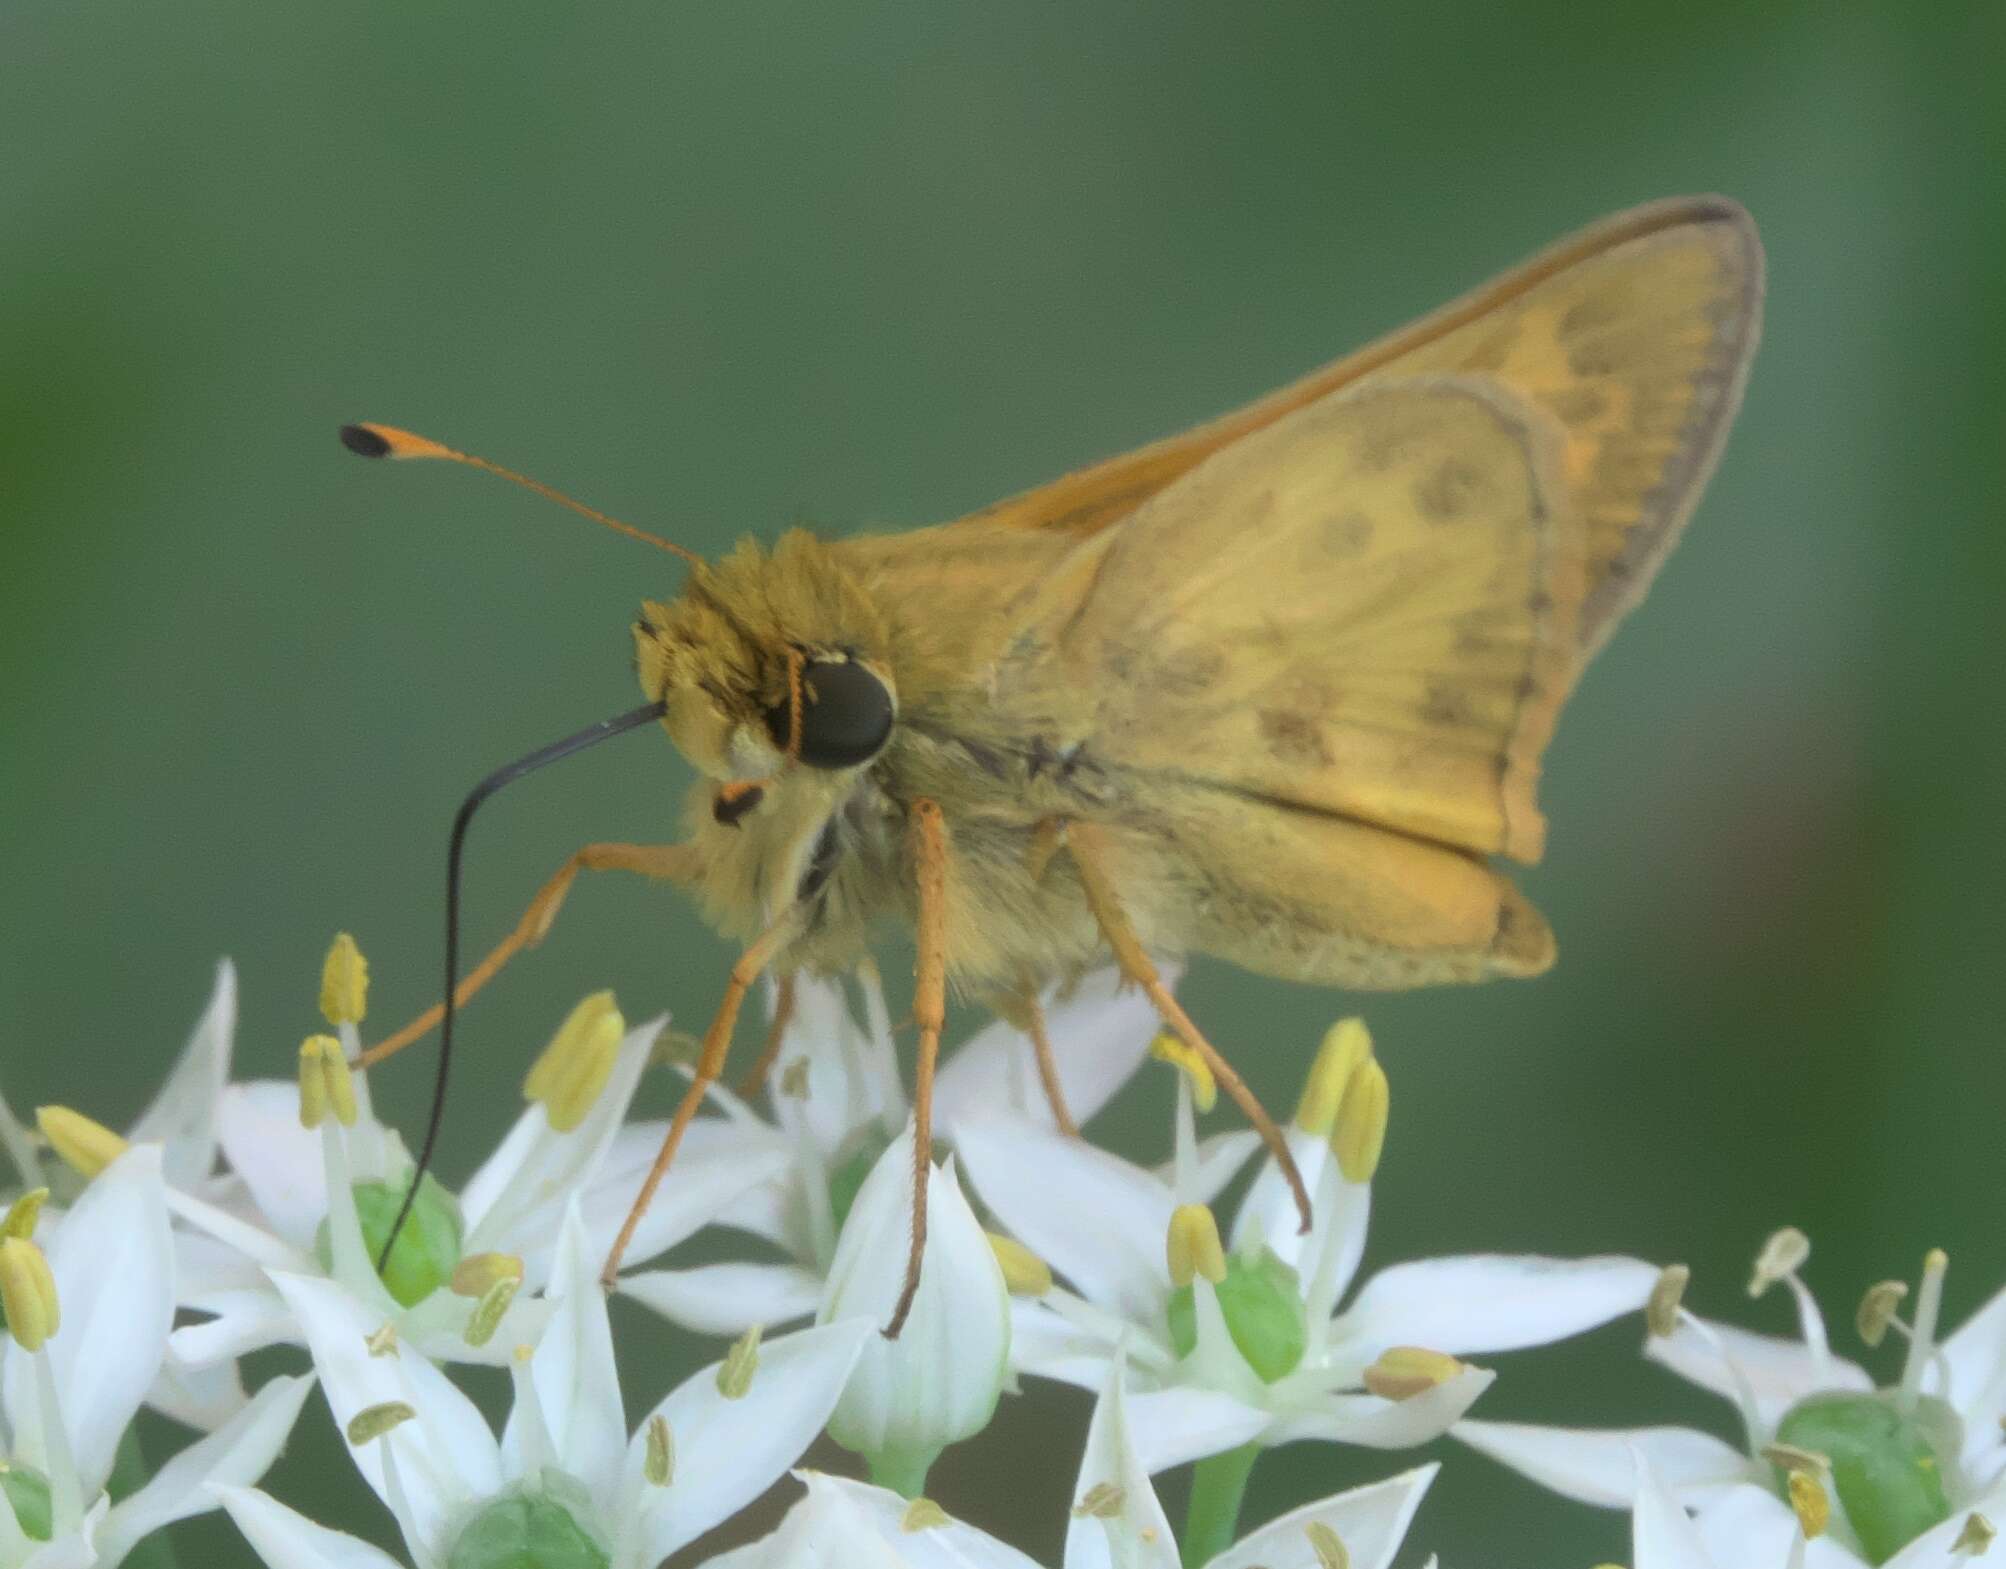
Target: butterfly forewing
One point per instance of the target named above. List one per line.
(1635, 334)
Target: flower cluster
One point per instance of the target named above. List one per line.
(140, 1268)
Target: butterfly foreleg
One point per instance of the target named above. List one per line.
(710, 1064)
(1089, 852)
(674, 862)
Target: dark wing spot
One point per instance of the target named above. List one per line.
(1447, 491)
(1448, 705)
(1190, 671)
(1294, 738)
(820, 864)
(1346, 535)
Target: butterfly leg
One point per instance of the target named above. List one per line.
(783, 1015)
(1089, 853)
(929, 1007)
(1022, 1010)
(710, 1063)
(674, 862)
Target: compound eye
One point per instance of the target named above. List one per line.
(846, 715)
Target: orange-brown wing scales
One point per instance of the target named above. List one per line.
(1365, 609)
(1634, 334)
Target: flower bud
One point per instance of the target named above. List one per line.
(940, 1380)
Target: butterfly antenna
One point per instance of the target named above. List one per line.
(592, 735)
(387, 441)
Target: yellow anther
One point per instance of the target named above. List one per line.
(660, 1465)
(1781, 1256)
(1402, 1372)
(344, 983)
(28, 1293)
(1102, 1501)
(1976, 1536)
(1024, 1273)
(1811, 1502)
(477, 1273)
(1327, 1545)
(490, 1310)
(1359, 1135)
(1204, 1088)
(574, 1067)
(1346, 1044)
(1193, 1247)
(86, 1147)
(1661, 1308)
(326, 1085)
(1878, 1308)
(372, 1422)
(1789, 1457)
(382, 1340)
(923, 1514)
(734, 1373)
(23, 1213)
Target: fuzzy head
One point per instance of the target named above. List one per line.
(726, 655)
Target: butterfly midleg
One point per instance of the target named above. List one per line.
(710, 1063)
(1089, 853)
(674, 862)
(1022, 1010)
(929, 1008)
(776, 1031)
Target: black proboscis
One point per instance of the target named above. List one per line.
(592, 735)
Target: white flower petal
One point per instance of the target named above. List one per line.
(727, 1299)
(1370, 1521)
(707, 1180)
(71, 1550)
(518, 1194)
(1100, 1031)
(1268, 1214)
(847, 1525)
(1975, 1357)
(1780, 1372)
(940, 1380)
(1138, 1534)
(1749, 1527)
(1097, 1220)
(1220, 1157)
(259, 1126)
(285, 1539)
(113, 1263)
(244, 1321)
(727, 1451)
(236, 1455)
(1173, 1426)
(577, 1382)
(182, 1115)
(203, 1398)
(1599, 1465)
(1046, 1345)
(1386, 1424)
(446, 1454)
(1662, 1535)
(1491, 1302)
(852, 1076)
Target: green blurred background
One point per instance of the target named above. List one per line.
(720, 269)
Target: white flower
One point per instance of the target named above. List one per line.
(938, 1382)
(565, 1464)
(64, 1407)
(1904, 1469)
(1260, 1353)
(1116, 1522)
(303, 1191)
(837, 1100)
(181, 1119)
